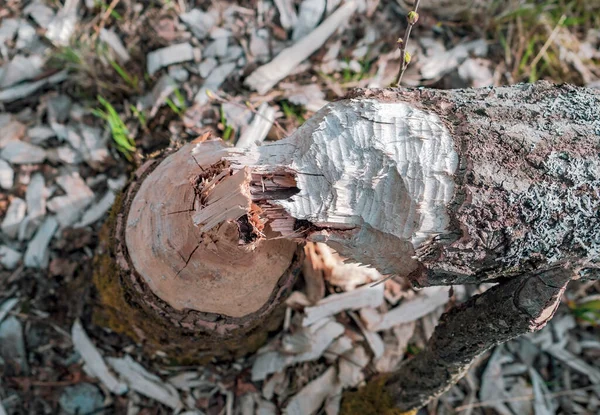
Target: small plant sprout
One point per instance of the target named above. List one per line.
(412, 18)
(119, 132)
(224, 125)
(177, 105)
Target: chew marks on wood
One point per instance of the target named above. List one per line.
(362, 175)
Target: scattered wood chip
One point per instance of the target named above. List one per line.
(313, 395)
(493, 389)
(70, 207)
(367, 296)
(214, 81)
(321, 336)
(543, 403)
(7, 175)
(395, 349)
(40, 13)
(13, 217)
(12, 345)
(438, 64)
(429, 299)
(170, 55)
(20, 152)
(311, 12)
(21, 68)
(351, 366)
(287, 13)
(12, 130)
(144, 382)
(7, 306)
(62, 26)
(373, 339)
(38, 252)
(266, 76)
(93, 360)
(257, 131)
(25, 89)
(114, 42)
(9, 258)
(198, 22)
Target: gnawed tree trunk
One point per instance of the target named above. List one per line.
(191, 294)
(442, 187)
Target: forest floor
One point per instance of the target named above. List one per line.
(90, 88)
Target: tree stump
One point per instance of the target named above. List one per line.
(191, 294)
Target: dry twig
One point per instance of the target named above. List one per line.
(412, 17)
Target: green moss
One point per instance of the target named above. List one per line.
(372, 399)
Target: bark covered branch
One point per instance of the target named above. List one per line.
(522, 305)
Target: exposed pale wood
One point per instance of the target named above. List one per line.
(444, 187)
(94, 361)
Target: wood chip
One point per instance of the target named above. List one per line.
(7, 306)
(70, 207)
(170, 55)
(429, 300)
(367, 296)
(199, 22)
(93, 360)
(312, 396)
(62, 26)
(13, 217)
(40, 13)
(493, 389)
(394, 351)
(7, 175)
(266, 76)
(12, 345)
(20, 152)
(144, 382)
(38, 253)
(311, 12)
(287, 13)
(351, 366)
(259, 128)
(114, 42)
(322, 335)
(9, 258)
(21, 68)
(214, 81)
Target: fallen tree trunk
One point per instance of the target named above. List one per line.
(442, 187)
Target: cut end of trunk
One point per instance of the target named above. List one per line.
(195, 238)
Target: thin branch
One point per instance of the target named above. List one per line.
(412, 19)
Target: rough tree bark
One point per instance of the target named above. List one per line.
(442, 187)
